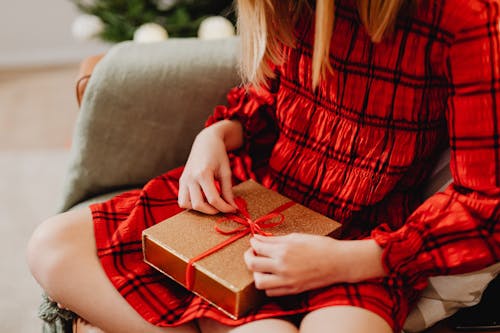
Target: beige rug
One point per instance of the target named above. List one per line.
(37, 114)
(29, 190)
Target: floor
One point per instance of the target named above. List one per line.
(37, 115)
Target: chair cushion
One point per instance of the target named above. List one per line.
(445, 295)
(142, 108)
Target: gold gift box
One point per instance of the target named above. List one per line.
(222, 278)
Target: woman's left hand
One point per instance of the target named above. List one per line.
(291, 264)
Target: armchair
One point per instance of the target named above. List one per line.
(141, 107)
(141, 110)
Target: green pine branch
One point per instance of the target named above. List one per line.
(122, 17)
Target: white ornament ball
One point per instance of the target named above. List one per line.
(149, 33)
(215, 27)
(86, 27)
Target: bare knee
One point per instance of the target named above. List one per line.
(46, 249)
(344, 319)
(51, 247)
(274, 325)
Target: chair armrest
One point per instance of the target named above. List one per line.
(86, 68)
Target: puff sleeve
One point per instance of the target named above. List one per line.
(255, 108)
(458, 230)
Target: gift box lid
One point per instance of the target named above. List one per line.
(190, 233)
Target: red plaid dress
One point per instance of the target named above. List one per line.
(357, 150)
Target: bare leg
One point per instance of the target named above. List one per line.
(82, 326)
(264, 325)
(344, 319)
(62, 258)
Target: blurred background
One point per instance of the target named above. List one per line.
(42, 44)
(39, 60)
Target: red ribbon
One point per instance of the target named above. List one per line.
(247, 226)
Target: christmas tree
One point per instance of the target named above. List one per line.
(119, 19)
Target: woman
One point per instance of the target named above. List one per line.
(348, 103)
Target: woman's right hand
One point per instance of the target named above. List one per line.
(208, 161)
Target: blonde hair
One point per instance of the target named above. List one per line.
(265, 26)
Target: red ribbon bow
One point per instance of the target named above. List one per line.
(247, 226)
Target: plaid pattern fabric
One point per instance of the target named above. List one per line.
(357, 149)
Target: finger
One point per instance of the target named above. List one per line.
(263, 248)
(213, 196)
(268, 239)
(227, 187)
(256, 263)
(183, 199)
(266, 281)
(198, 202)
